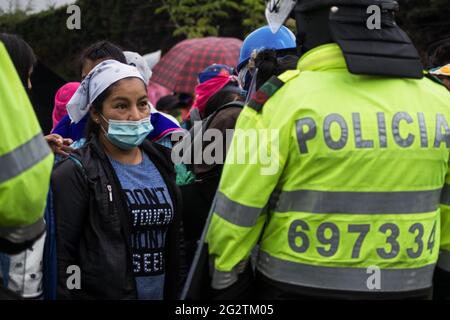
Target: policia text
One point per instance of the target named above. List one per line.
(403, 127)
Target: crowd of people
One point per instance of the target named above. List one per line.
(114, 204)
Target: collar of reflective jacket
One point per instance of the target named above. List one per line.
(325, 57)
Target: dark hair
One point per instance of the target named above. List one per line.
(22, 55)
(229, 93)
(270, 64)
(439, 53)
(167, 103)
(93, 128)
(185, 100)
(101, 50)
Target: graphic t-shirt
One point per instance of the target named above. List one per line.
(151, 213)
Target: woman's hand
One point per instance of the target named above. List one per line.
(59, 145)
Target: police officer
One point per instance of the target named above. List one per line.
(25, 164)
(349, 206)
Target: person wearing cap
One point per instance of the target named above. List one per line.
(211, 80)
(218, 103)
(115, 201)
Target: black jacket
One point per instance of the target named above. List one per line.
(93, 233)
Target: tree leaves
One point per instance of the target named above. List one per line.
(197, 18)
(150, 25)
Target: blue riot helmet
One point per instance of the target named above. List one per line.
(263, 38)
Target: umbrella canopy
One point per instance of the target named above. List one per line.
(179, 68)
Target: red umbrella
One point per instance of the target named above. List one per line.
(179, 68)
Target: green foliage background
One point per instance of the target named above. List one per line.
(149, 25)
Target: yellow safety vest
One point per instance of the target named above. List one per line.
(357, 166)
(25, 160)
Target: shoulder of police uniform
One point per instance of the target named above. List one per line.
(289, 75)
(269, 88)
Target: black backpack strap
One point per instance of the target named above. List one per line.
(232, 104)
(79, 164)
(207, 121)
(194, 116)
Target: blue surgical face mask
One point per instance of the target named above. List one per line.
(127, 135)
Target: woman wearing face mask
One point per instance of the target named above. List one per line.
(115, 200)
(90, 58)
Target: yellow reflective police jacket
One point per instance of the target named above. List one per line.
(336, 176)
(25, 160)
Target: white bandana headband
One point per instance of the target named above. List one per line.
(96, 82)
(135, 59)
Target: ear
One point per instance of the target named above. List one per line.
(95, 115)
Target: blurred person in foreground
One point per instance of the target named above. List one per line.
(26, 162)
